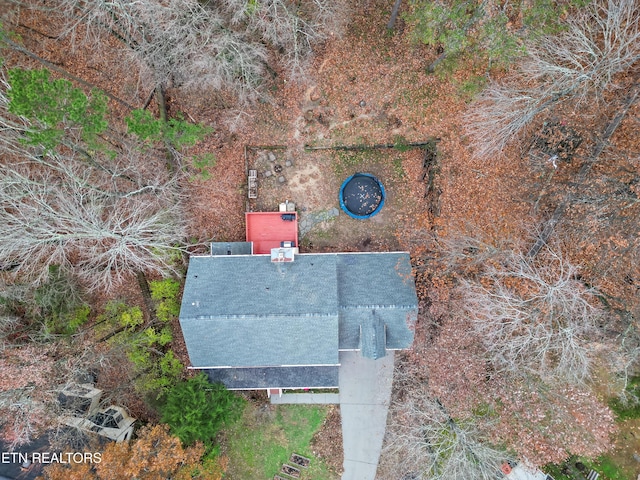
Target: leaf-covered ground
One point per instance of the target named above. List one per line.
(372, 86)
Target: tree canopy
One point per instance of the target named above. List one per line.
(196, 410)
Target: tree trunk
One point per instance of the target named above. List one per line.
(582, 173)
(162, 105)
(394, 14)
(146, 295)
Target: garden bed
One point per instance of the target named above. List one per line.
(299, 460)
(291, 471)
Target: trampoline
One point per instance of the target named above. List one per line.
(361, 196)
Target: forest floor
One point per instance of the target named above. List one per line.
(370, 86)
(379, 93)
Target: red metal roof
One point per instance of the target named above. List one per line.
(267, 229)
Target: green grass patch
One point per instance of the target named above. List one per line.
(266, 436)
(400, 143)
(630, 407)
(611, 470)
(397, 167)
(348, 162)
(410, 98)
(471, 88)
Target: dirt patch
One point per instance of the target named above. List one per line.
(290, 174)
(312, 178)
(327, 442)
(306, 180)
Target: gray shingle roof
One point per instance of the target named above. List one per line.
(373, 341)
(273, 377)
(368, 279)
(231, 248)
(400, 323)
(262, 341)
(252, 285)
(245, 311)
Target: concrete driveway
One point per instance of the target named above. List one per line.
(365, 393)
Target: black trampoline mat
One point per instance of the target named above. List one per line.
(362, 195)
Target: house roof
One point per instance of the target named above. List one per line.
(245, 311)
(262, 341)
(399, 323)
(231, 248)
(248, 285)
(375, 279)
(373, 341)
(275, 377)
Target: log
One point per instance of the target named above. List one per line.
(394, 14)
(375, 146)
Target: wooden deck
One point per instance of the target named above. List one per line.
(268, 229)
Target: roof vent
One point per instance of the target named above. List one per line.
(283, 254)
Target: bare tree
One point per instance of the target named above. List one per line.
(174, 41)
(101, 213)
(205, 44)
(189, 43)
(46, 220)
(576, 65)
(534, 315)
(424, 442)
(294, 28)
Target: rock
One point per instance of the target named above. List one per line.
(362, 103)
(268, 173)
(288, 163)
(281, 179)
(308, 115)
(272, 156)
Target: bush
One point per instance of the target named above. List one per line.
(60, 304)
(166, 374)
(157, 367)
(176, 131)
(118, 314)
(196, 410)
(166, 293)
